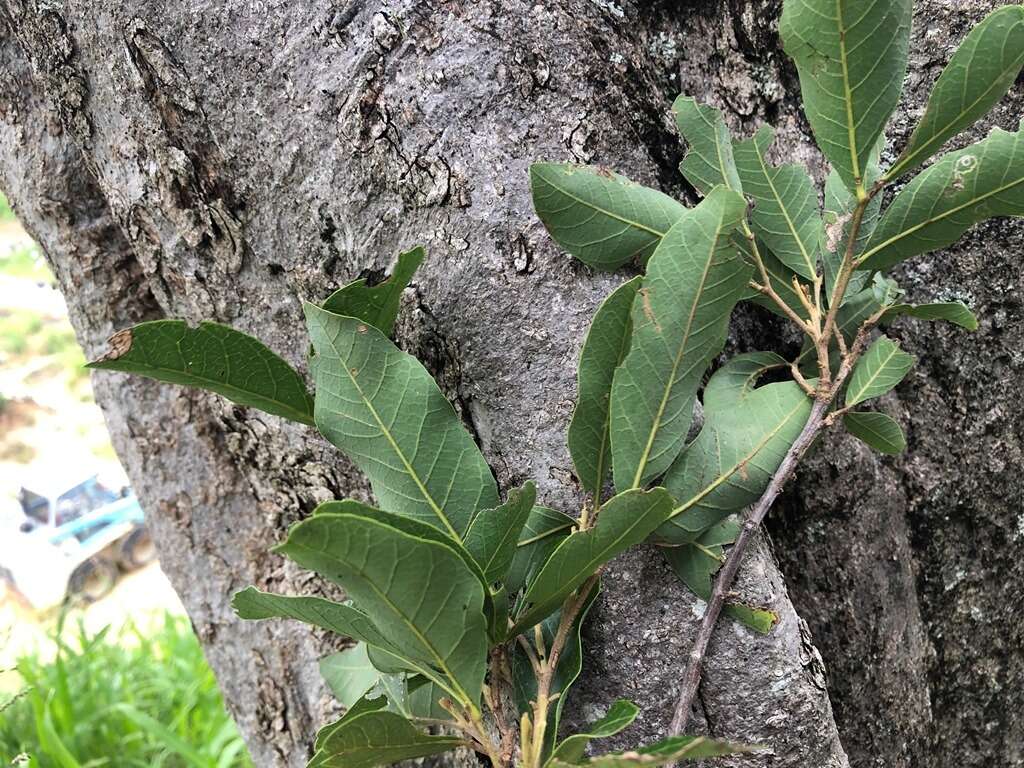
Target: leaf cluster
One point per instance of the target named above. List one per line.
(464, 610)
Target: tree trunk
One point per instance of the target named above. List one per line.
(223, 160)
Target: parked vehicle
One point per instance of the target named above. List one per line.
(73, 541)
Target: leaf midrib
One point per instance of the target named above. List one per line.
(859, 393)
(722, 478)
(599, 209)
(936, 219)
(397, 449)
(785, 211)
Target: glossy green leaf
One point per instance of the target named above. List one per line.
(420, 593)
(745, 436)
(880, 369)
(877, 430)
(570, 663)
(377, 304)
(980, 73)
(696, 564)
(946, 199)
(680, 321)
(785, 213)
(955, 312)
(213, 357)
(851, 56)
(619, 716)
(603, 219)
(709, 160)
(349, 674)
(605, 347)
(378, 738)
(544, 530)
(381, 407)
(625, 520)
(340, 618)
(494, 533)
(671, 750)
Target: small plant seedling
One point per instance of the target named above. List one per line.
(464, 609)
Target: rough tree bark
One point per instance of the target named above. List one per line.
(222, 159)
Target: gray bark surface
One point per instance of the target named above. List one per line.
(223, 160)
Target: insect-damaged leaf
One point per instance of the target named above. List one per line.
(877, 430)
(604, 349)
(669, 750)
(746, 434)
(695, 564)
(978, 75)
(493, 534)
(421, 594)
(381, 407)
(377, 738)
(214, 357)
(709, 160)
(881, 368)
(840, 204)
(603, 219)
(946, 199)
(619, 715)
(852, 57)
(377, 304)
(955, 312)
(680, 320)
(785, 213)
(625, 520)
(570, 662)
(349, 674)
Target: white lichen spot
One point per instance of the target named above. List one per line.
(610, 7)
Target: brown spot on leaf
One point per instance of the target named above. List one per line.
(361, 329)
(118, 346)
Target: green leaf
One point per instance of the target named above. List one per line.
(381, 407)
(745, 436)
(603, 219)
(378, 738)
(349, 674)
(213, 357)
(604, 349)
(696, 564)
(493, 534)
(946, 199)
(365, 704)
(840, 204)
(664, 752)
(877, 430)
(709, 160)
(544, 531)
(781, 277)
(680, 321)
(980, 73)
(421, 594)
(955, 312)
(785, 213)
(625, 520)
(567, 672)
(619, 716)
(881, 368)
(377, 304)
(851, 56)
(340, 618)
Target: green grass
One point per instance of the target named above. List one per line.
(6, 214)
(25, 261)
(130, 701)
